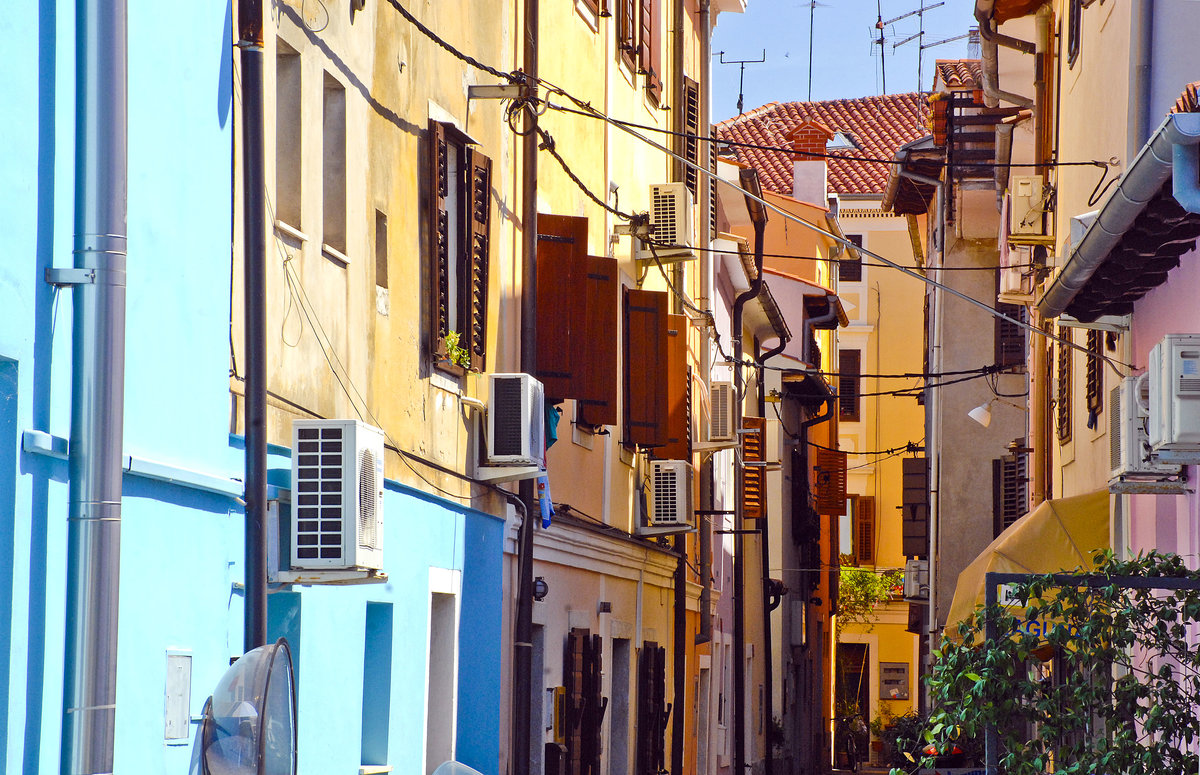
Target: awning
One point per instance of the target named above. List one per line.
(1058, 535)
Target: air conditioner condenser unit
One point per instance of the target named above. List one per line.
(1173, 372)
(516, 421)
(670, 493)
(337, 495)
(672, 226)
(1129, 443)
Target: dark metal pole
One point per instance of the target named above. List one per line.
(254, 249)
(679, 664)
(97, 389)
(523, 629)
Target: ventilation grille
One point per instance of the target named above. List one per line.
(1115, 421)
(318, 486)
(507, 411)
(666, 218)
(670, 506)
(721, 423)
(367, 494)
(1189, 371)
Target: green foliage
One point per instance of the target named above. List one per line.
(861, 591)
(455, 353)
(1118, 696)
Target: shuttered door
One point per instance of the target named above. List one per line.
(596, 388)
(915, 508)
(830, 475)
(437, 164)
(662, 710)
(864, 526)
(561, 302)
(677, 447)
(644, 762)
(479, 207)
(573, 681)
(645, 363)
(754, 491)
(594, 706)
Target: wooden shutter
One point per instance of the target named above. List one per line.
(754, 478)
(627, 29)
(437, 165)
(594, 706)
(1095, 372)
(864, 526)
(573, 681)
(645, 363)
(915, 507)
(662, 709)
(644, 33)
(1062, 408)
(1010, 337)
(849, 368)
(654, 66)
(597, 387)
(691, 127)
(1008, 491)
(652, 711)
(478, 241)
(677, 446)
(562, 262)
(830, 477)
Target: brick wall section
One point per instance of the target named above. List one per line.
(809, 141)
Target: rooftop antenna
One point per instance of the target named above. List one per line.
(920, 14)
(741, 71)
(812, 9)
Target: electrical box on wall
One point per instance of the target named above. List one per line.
(1027, 206)
(1173, 372)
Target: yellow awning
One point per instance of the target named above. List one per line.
(1058, 535)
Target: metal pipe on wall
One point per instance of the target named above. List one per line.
(97, 389)
(704, 523)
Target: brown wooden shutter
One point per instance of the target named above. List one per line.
(479, 223)
(831, 481)
(596, 390)
(644, 33)
(627, 28)
(594, 705)
(1095, 373)
(437, 164)
(677, 447)
(1062, 413)
(691, 127)
(849, 368)
(864, 526)
(1010, 337)
(915, 504)
(754, 478)
(561, 302)
(645, 362)
(653, 47)
(573, 681)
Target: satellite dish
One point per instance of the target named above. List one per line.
(249, 722)
(455, 768)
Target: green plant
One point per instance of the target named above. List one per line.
(455, 353)
(1094, 678)
(861, 591)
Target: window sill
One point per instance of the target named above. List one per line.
(290, 231)
(374, 769)
(334, 254)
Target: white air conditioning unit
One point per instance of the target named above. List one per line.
(1026, 216)
(721, 402)
(1174, 385)
(672, 226)
(1129, 444)
(337, 495)
(916, 580)
(516, 421)
(670, 493)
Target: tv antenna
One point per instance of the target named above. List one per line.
(920, 14)
(812, 10)
(741, 71)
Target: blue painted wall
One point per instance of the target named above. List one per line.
(181, 554)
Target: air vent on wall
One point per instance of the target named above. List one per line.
(721, 398)
(515, 421)
(670, 493)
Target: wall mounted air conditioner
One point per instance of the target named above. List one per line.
(1026, 217)
(721, 402)
(670, 493)
(516, 421)
(337, 495)
(916, 580)
(672, 226)
(1129, 445)
(1173, 373)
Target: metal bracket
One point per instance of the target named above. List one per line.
(653, 531)
(514, 91)
(64, 277)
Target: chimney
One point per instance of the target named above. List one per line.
(809, 170)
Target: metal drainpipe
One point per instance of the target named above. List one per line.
(749, 181)
(523, 626)
(254, 247)
(97, 389)
(706, 467)
(1141, 40)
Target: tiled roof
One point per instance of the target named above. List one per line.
(878, 126)
(1189, 101)
(959, 73)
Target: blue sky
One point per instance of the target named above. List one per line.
(845, 62)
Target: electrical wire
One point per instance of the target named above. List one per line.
(869, 264)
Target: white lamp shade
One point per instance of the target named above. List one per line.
(982, 414)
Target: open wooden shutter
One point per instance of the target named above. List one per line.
(645, 31)
(574, 679)
(849, 369)
(864, 526)
(437, 164)
(627, 28)
(479, 208)
(662, 710)
(645, 363)
(596, 389)
(915, 503)
(754, 491)
(562, 262)
(594, 705)
(652, 712)
(654, 46)
(690, 145)
(677, 447)
(830, 481)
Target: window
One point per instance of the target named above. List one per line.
(440, 710)
(1095, 376)
(381, 250)
(849, 369)
(627, 30)
(459, 233)
(1008, 491)
(1074, 30)
(598, 7)
(850, 266)
(639, 40)
(287, 135)
(1010, 337)
(618, 743)
(1062, 407)
(333, 168)
(651, 710)
(856, 531)
(377, 683)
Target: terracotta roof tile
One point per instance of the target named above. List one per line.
(878, 126)
(959, 73)
(1189, 101)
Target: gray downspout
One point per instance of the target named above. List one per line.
(809, 325)
(97, 389)
(1141, 44)
(706, 467)
(749, 181)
